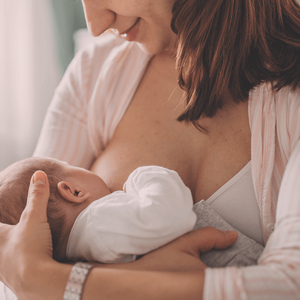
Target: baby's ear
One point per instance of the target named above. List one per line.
(72, 193)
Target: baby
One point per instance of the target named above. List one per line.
(88, 222)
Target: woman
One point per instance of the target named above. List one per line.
(118, 108)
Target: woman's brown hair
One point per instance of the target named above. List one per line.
(234, 45)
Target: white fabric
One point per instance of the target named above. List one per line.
(155, 209)
(236, 203)
(82, 38)
(6, 293)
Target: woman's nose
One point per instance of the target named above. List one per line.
(98, 17)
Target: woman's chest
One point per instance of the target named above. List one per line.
(145, 137)
(149, 134)
(204, 162)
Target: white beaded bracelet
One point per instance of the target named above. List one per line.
(77, 279)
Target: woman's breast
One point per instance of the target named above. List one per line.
(172, 145)
(203, 162)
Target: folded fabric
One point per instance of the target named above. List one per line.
(244, 252)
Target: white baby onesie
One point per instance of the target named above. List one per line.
(155, 209)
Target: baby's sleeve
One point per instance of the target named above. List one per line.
(156, 209)
(164, 202)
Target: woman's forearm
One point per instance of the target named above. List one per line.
(44, 282)
(114, 284)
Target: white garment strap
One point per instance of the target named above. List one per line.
(236, 203)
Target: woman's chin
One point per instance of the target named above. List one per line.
(155, 48)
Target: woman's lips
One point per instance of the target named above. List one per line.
(131, 33)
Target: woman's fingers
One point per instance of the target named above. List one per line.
(38, 196)
(205, 239)
(183, 253)
(28, 244)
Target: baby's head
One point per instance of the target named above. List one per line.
(72, 189)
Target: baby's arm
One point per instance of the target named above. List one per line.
(156, 209)
(163, 200)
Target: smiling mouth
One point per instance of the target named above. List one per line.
(124, 33)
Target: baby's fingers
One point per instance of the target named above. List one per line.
(38, 196)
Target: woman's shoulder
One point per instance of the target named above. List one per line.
(104, 50)
(100, 48)
(265, 98)
(279, 110)
(107, 52)
(93, 55)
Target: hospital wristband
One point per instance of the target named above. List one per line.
(76, 282)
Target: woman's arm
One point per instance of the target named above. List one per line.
(27, 267)
(115, 284)
(277, 275)
(66, 133)
(144, 285)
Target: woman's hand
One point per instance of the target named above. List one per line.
(183, 254)
(29, 242)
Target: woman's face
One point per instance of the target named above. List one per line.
(144, 21)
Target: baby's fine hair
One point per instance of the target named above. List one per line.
(14, 187)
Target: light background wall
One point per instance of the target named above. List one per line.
(68, 17)
(36, 45)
